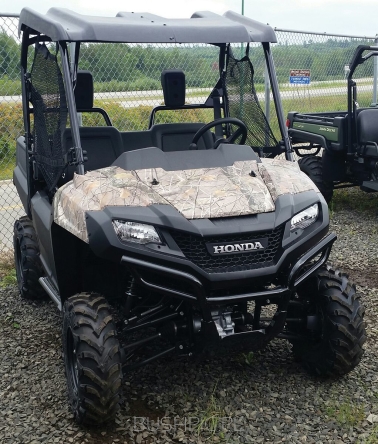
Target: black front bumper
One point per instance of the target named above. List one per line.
(305, 266)
(298, 274)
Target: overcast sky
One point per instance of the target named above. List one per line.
(351, 17)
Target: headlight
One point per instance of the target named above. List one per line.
(305, 218)
(135, 232)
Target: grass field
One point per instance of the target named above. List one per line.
(6, 171)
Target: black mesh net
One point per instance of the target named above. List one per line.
(242, 102)
(50, 115)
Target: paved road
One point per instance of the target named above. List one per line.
(293, 94)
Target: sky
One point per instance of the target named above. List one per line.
(350, 17)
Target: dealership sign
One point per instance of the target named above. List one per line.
(300, 77)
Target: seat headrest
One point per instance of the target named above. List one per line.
(84, 90)
(173, 83)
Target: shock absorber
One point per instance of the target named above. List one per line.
(131, 294)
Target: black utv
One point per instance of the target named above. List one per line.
(180, 238)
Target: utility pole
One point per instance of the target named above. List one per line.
(242, 45)
(375, 78)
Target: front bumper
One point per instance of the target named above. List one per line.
(301, 270)
(255, 338)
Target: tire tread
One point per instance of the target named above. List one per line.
(312, 166)
(25, 242)
(98, 357)
(341, 348)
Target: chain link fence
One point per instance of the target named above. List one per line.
(127, 80)
(11, 125)
(327, 58)
(127, 86)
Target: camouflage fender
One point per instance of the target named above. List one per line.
(283, 177)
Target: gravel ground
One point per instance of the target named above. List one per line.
(264, 398)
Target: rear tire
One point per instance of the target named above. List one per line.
(92, 358)
(335, 348)
(26, 257)
(312, 166)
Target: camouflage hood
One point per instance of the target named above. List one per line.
(244, 188)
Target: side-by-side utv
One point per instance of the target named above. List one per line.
(180, 237)
(348, 139)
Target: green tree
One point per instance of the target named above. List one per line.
(9, 56)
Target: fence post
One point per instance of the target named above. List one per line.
(375, 78)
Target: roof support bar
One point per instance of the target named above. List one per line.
(277, 101)
(71, 107)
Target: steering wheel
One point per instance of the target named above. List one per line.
(242, 130)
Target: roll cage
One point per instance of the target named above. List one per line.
(68, 30)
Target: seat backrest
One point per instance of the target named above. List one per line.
(367, 125)
(167, 137)
(103, 145)
(134, 140)
(178, 136)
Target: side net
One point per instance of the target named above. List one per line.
(242, 102)
(50, 115)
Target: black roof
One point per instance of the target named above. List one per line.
(135, 27)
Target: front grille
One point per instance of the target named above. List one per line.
(194, 248)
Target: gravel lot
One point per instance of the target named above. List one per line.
(264, 398)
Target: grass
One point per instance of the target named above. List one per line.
(354, 199)
(6, 172)
(312, 104)
(346, 414)
(210, 418)
(7, 270)
(246, 358)
(372, 438)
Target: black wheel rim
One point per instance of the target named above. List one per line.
(317, 336)
(72, 363)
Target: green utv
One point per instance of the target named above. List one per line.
(183, 237)
(348, 139)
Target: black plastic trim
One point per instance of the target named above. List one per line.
(199, 291)
(104, 242)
